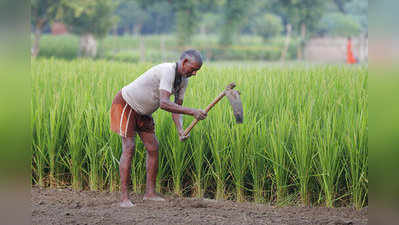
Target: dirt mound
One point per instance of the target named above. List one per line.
(64, 206)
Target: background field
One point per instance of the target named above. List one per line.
(304, 137)
(158, 48)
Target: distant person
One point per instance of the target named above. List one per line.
(350, 59)
(131, 114)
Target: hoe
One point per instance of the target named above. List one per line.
(235, 102)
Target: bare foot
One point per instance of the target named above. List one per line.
(126, 204)
(153, 197)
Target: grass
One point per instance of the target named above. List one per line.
(304, 138)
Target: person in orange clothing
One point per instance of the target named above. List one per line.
(350, 59)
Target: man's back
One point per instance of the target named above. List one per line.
(143, 93)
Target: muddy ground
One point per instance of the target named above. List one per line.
(64, 206)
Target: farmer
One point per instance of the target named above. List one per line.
(131, 114)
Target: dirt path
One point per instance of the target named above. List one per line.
(63, 206)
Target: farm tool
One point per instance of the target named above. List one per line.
(235, 102)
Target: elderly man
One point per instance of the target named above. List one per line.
(131, 114)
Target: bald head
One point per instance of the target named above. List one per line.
(192, 55)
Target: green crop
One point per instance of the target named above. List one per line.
(304, 138)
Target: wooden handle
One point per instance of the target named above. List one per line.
(195, 121)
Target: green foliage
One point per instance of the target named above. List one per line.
(94, 17)
(210, 22)
(338, 24)
(186, 20)
(44, 10)
(298, 12)
(358, 9)
(341, 4)
(267, 26)
(234, 12)
(304, 132)
(130, 14)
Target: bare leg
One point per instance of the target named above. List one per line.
(125, 166)
(151, 144)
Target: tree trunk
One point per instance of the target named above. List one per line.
(87, 46)
(38, 33)
(286, 44)
(137, 29)
(302, 42)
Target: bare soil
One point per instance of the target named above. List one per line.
(64, 206)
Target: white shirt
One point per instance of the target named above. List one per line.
(143, 93)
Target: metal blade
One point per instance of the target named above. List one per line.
(236, 104)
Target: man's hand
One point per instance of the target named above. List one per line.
(199, 114)
(182, 137)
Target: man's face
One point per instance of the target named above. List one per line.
(190, 68)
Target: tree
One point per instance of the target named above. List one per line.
(267, 26)
(186, 16)
(338, 24)
(304, 15)
(358, 9)
(186, 20)
(210, 23)
(131, 16)
(161, 18)
(43, 12)
(341, 5)
(90, 20)
(234, 13)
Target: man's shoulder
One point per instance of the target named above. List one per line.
(167, 65)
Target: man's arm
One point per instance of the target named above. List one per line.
(167, 105)
(177, 109)
(178, 119)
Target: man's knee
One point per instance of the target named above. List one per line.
(128, 145)
(152, 147)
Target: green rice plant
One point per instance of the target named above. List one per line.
(39, 158)
(220, 159)
(356, 178)
(355, 140)
(239, 136)
(76, 143)
(113, 151)
(178, 159)
(278, 153)
(329, 157)
(162, 123)
(92, 146)
(198, 147)
(257, 163)
(163, 171)
(138, 173)
(303, 154)
(51, 137)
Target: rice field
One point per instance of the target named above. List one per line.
(304, 139)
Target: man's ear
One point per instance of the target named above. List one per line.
(184, 61)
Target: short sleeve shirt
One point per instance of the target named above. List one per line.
(143, 93)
